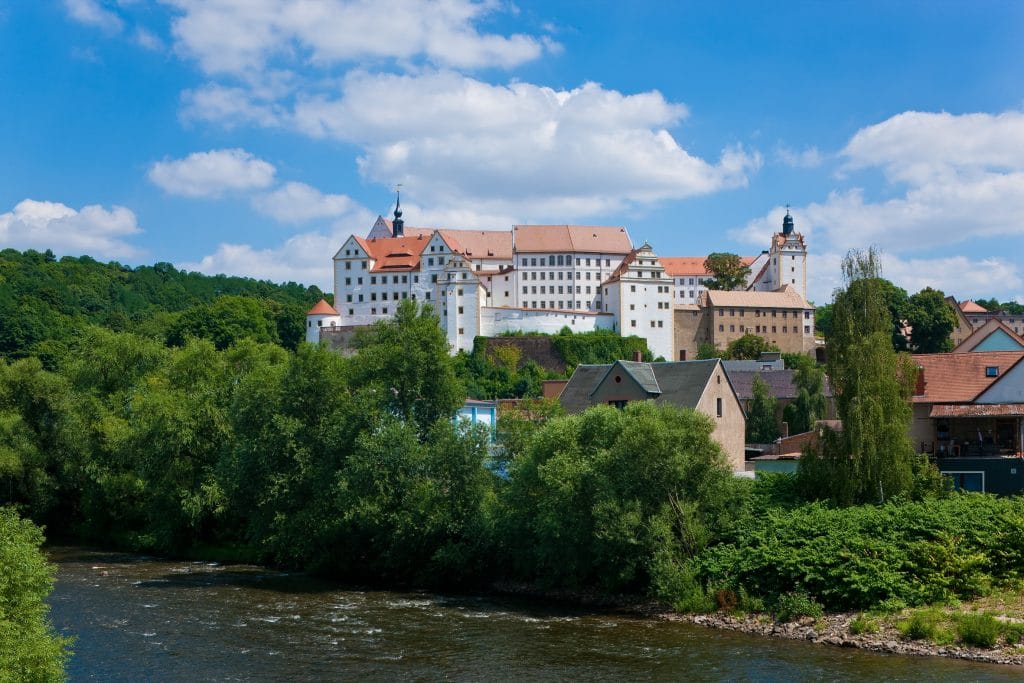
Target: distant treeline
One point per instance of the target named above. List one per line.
(45, 303)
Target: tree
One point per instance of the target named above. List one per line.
(407, 359)
(748, 347)
(809, 405)
(728, 271)
(931, 319)
(871, 459)
(823, 321)
(707, 351)
(29, 648)
(761, 424)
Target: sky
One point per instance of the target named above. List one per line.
(251, 137)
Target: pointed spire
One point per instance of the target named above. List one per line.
(398, 226)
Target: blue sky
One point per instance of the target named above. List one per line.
(252, 136)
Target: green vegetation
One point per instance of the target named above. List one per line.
(809, 406)
(931, 319)
(45, 304)
(748, 347)
(761, 424)
(29, 648)
(993, 305)
(727, 270)
(871, 459)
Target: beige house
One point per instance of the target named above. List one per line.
(701, 385)
(782, 317)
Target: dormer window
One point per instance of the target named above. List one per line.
(991, 371)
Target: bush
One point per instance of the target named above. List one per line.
(922, 625)
(863, 624)
(978, 629)
(791, 606)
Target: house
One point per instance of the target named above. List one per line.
(993, 335)
(479, 412)
(968, 412)
(972, 316)
(701, 385)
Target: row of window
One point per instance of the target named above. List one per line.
(384, 296)
(682, 281)
(632, 323)
(532, 289)
(763, 329)
(560, 260)
(759, 313)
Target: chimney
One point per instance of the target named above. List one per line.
(919, 388)
(638, 356)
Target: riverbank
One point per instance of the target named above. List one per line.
(881, 632)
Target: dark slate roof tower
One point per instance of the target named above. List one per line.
(398, 225)
(787, 224)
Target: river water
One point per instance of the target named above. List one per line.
(146, 619)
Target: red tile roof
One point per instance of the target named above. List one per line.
(678, 266)
(479, 244)
(322, 308)
(972, 307)
(394, 253)
(591, 239)
(960, 377)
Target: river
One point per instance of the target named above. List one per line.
(144, 619)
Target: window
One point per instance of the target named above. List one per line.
(718, 407)
(360, 298)
(525, 289)
(632, 288)
(661, 324)
(632, 323)
(607, 263)
(991, 371)
(373, 279)
(348, 298)
(732, 328)
(348, 265)
(384, 310)
(462, 330)
(430, 260)
(460, 310)
(652, 323)
(359, 280)
(395, 296)
(373, 296)
(807, 329)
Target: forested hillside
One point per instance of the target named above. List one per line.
(46, 302)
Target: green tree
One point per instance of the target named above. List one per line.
(809, 406)
(748, 347)
(728, 271)
(931, 319)
(823, 321)
(707, 351)
(762, 426)
(226, 321)
(407, 359)
(871, 459)
(30, 650)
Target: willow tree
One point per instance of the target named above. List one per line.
(871, 459)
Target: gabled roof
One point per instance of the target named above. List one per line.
(641, 373)
(623, 267)
(680, 383)
(322, 308)
(678, 266)
(979, 335)
(972, 307)
(960, 377)
(784, 297)
(479, 244)
(409, 231)
(394, 253)
(780, 382)
(590, 239)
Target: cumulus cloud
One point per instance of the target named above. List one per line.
(211, 174)
(297, 203)
(958, 182)
(231, 37)
(93, 13)
(302, 258)
(91, 230)
(571, 153)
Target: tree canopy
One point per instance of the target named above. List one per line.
(748, 347)
(931, 319)
(727, 270)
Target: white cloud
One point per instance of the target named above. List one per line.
(210, 174)
(93, 13)
(91, 230)
(232, 37)
(302, 258)
(809, 157)
(148, 39)
(570, 153)
(297, 203)
(229, 106)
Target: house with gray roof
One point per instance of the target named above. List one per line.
(700, 385)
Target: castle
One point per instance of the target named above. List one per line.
(542, 278)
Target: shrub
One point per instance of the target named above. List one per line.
(922, 625)
(978, 629)
(796, 604)
(863, 624)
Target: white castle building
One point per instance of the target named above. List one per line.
(534, 278)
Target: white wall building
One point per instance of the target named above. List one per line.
(534, 278)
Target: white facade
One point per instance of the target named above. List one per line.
(640, 297)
